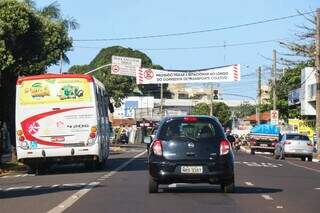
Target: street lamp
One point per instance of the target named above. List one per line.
(103, 66)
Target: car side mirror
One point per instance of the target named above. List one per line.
(147, 139)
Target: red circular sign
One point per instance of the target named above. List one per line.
(148, 74)
(115, 68)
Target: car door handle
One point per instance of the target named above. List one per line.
(191, 154)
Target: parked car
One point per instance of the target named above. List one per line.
(294, 145)
(191, 149)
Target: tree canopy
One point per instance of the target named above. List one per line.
(118, 86)
(219, 110)
(30, 41)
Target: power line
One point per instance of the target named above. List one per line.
(197, 31)
(197, 47)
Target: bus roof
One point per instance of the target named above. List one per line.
(48, 76)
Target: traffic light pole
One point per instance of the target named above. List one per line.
(318, 79)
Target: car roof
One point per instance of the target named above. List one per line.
(197, 116)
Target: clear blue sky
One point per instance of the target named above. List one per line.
(125, 18)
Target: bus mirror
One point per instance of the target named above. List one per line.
(111, 107)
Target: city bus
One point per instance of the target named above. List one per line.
(61, 118)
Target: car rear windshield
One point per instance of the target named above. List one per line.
(297, 137)
(203, 128)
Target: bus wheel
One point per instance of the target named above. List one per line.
(91, 165)
(101, 165)
(40, 170)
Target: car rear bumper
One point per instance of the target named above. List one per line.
(263, 148)
(168, 172)
(297, 154)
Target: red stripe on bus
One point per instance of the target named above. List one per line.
(25, 124)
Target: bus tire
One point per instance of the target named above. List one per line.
(91, 165)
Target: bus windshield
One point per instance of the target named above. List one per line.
(54, 90)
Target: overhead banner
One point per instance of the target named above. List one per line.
(219, 74)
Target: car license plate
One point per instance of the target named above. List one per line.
(264, 145)
(191, 169)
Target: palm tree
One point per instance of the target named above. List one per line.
(52, 11)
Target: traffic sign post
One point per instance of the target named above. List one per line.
(125, 65)
(274, 117)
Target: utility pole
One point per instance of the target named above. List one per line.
(274, 67)
(60, 62)
(259, 96)
(211, 97)
(318, 79)
(161, 100)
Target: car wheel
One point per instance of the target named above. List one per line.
(228, 187)
(153, 185)
(252, 152)
(303, 158)
(309, 158)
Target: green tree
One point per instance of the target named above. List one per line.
(222, 112)
(219, 110)
(245, 109)
(29, 43)
(201, 109)
(118, 86)
(300, 54)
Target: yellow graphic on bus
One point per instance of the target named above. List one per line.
(57, 90)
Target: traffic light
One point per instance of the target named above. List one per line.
(215, 94)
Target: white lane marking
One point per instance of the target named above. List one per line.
(267, 197)
(54, 186)
(76, 196)
(279, 207)
(17, 188)
(249, 183)
(37, 187)
(16, 176)
(174, 185)
(74, 184)
(317, 188)
(297, 165)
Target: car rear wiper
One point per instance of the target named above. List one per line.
(191, 138)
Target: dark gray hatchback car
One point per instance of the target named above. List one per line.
(191, 149)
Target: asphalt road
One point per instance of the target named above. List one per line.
(262, 185)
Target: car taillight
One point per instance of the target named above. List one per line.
(287, 142)
(157, 147)
(190, 119)
(224, 147)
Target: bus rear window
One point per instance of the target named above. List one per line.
(54, 90)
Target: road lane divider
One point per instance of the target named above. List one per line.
(249, 183)
(77, 195)
(267, 197)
